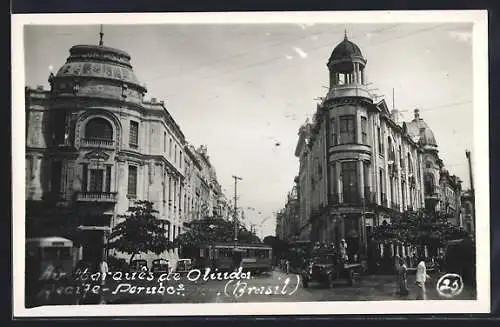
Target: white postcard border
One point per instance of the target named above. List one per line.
(480, 156)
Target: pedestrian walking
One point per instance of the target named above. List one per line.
(403, 277)
(103, 270)
(343, 250)
(421, 279)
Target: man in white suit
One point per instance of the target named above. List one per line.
(421, 279)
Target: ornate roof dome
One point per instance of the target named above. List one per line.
(97, 61)
(345, 50)
(418, 128)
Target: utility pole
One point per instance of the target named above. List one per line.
(471, 179)
(236, 179)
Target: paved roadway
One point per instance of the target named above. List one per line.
(281, 287)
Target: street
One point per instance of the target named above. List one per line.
(280, 287)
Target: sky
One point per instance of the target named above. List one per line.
(243, 90)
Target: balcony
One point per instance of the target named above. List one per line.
(97, 196)
(97, 143)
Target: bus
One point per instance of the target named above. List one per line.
(48, 260)
(256, 258)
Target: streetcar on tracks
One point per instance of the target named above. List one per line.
(256, 258)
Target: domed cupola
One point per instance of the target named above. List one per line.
(420, 131)
(347, 71)
(346, 51)
(97, 71)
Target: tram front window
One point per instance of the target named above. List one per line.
(56, 253)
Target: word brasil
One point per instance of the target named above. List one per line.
(240, 288)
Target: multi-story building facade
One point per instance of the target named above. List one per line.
(287, 219)
(468, 220)
(359, 164)
(95, 145)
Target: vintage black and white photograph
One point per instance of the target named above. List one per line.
(250, 160)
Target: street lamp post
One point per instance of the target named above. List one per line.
(236, 178)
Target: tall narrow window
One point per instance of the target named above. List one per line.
(403, 194)
(170, 149)
(180, 159)
(164, 142)
(333, 181)
(382, 186)
(366, 180)
(364, 132)
(349, 181)
(56, 176)
(59, 126)
(380, 142)
(390, 149)
(347, 129)
(96, 180)
(429, 184)
(333, 129)
(175, 153)
(175, 194)
(134, 134)
(132, 180)
(108, 179)
(84, 177)
(180, 197)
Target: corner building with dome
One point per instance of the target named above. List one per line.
(360, 165)
(95, 145)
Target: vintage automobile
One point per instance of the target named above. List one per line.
(183, 266)
(138, 265)
(327, 266)
(159, 266)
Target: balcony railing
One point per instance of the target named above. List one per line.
(98, 143)
(97, 196)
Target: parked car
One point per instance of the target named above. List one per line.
(159, 266)
(184, 265)
(327, 266)
(138, 265)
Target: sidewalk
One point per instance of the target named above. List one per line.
(385, 287)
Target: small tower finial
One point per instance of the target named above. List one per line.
(101, 34)
(345, 34)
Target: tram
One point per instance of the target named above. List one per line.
(256, 258)
(49, 260)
